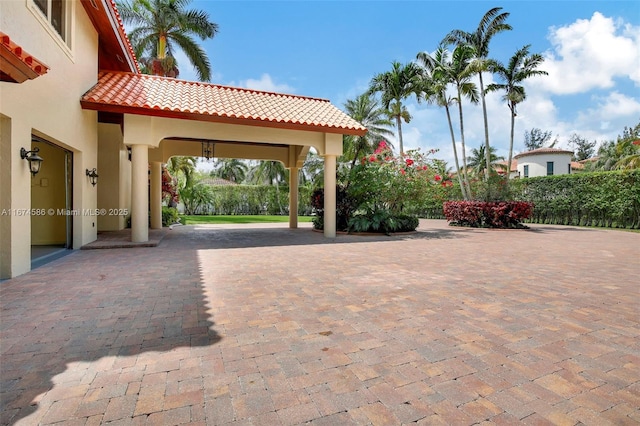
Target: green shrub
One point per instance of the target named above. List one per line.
(609, 199)
(384, 192)
(256, 199)
(344, 208)
(382, 221)
(169, 215)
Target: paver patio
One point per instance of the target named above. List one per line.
(264, 325)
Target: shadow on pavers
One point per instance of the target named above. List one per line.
(100, 309)
(204, 237)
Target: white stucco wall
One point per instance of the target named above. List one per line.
(48, 106)
(538, 164)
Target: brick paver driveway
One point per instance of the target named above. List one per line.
(272, 326)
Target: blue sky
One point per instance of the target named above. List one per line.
(332, 49)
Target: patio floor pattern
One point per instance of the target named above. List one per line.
(263, 325)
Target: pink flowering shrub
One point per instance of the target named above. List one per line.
(385, 181)
(384, 184)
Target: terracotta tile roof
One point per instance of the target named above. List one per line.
(16, 65)
(216, 181)
(167, 97)
(542, 151)
(514, 165)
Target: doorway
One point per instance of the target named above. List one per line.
(51, 203)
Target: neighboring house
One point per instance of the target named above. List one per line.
(502, 168)
(217, 181)
(544, 162)
(78, 101)
(577, 166)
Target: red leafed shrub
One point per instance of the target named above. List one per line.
(481, 214)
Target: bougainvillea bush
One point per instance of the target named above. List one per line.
(482, 214)
(379, 190)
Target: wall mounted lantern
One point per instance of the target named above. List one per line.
(35, 161)
(208, 149)
(93, 176)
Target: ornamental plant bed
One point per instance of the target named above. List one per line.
(379, 190)
(482, 214)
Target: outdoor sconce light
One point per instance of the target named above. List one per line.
(35, 161)
(93, 176)
(207, 149)
(129, 152)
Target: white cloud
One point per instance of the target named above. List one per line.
(618, 104)
(590, 54)
(265, 83)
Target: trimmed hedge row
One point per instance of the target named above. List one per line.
(255, 200)
(606, 199)
(481, 214)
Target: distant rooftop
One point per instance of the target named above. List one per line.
(543, 151)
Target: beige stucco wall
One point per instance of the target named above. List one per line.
(5, 197)
(153, 131)
(538, 164)
(48, 107)
(114, 187)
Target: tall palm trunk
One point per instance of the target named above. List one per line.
(162, 47)
(399, 122)
(513, 124)
(455, 155)
(464, 150)
(487, 150)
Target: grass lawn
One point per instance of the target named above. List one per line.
(199, 220)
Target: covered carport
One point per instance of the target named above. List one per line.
(162, 117)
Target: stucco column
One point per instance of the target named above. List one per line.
(293, 197)
(156, 195)
(330, 196)
(139, 193)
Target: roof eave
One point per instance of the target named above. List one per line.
(16, 65)
(98, 106)
(116, 52)
(543, 151)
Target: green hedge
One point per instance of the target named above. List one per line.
(256, 199)
(606, 199)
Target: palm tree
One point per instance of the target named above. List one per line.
(492, 23)
(439, 73)
(628, 152)
(395, 86)
(196, 198)
(624, 153)
(185, 166)
(476, 161)
(461, 75)
(231, 169)
(521, 66)
(312, 170)
(269, 173)
(366, 110)
(158, 25)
